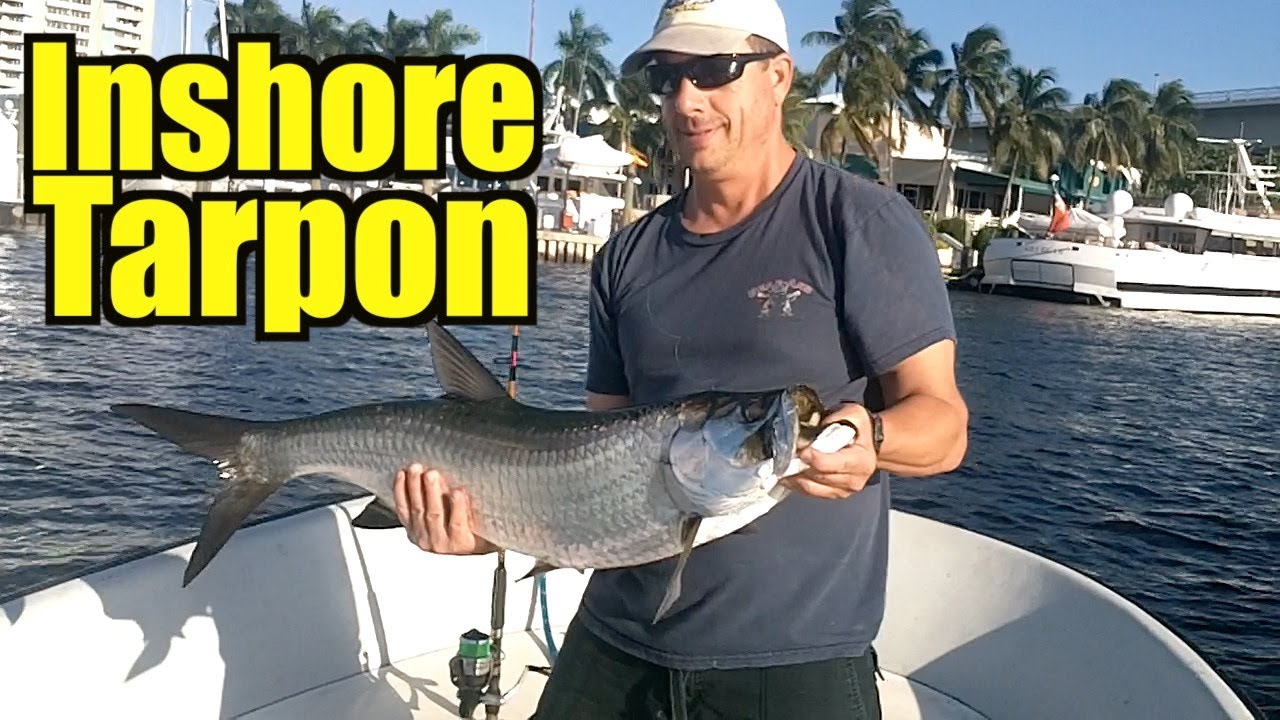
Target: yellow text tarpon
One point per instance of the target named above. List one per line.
(387, 258)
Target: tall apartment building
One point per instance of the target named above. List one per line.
(101, 27)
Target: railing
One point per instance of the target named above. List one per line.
(1209, 97)
(1240, 95)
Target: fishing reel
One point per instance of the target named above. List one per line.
(472, 672)
(469, 670)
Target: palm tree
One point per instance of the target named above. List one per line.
(1107, 127)
(920, 62)
(866, 75)
(651, 139)
(634, 108)
(253, 16)
(797, 113)
(1168, 132)
(1029, 125)
(363, 38)
(843, 124)
(978, 76)
(864, 29)
(582, 67)
(401, 36)
(321, 32)
(442, 36)
(235, 24)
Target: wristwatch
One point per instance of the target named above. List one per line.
(877, 430)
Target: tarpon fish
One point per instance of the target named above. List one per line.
(570, 488)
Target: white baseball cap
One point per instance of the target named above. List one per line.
(709, 27)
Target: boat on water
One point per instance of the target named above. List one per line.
(1176, 257)
(305, 616)
(1179, 257)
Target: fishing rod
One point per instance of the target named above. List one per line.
(494, 691)
(477, 668)
(492, 696)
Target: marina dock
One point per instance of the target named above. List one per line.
(563, 247)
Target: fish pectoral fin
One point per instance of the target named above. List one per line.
(688, 532)
(460, 373)
(377, 516)
(540, 567)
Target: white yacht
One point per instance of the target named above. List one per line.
(1178, 257)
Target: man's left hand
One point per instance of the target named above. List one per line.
(838, 474)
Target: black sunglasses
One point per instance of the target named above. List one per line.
(711, 71)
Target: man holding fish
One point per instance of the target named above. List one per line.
(771, 269)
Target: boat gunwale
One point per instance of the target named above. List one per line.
(1133, 607)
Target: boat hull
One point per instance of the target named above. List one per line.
(1212, 282)
(305, 616)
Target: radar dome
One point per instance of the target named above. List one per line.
(1120, 202)
(1179, 205)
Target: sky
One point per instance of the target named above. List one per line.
(1231, 46)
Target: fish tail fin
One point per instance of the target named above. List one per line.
(240, 497)
(248, 480)
(209, 436)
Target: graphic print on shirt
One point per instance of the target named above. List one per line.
(779, 295)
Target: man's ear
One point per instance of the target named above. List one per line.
(782, 74)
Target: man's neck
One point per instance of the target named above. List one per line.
(717, 203)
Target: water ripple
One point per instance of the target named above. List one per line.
(1139, 448)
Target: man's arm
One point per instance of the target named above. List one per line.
(898, 314)
(925, 425)
(926, 421)
(606, 381)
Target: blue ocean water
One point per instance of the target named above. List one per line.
(1139, 448)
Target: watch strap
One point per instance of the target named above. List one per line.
(877, 431)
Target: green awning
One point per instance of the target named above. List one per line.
(978, 178)
(859, 165)
(1000, 180)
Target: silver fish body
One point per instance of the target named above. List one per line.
(572, 488)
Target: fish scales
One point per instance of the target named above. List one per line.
(572, 488)
(559, 485)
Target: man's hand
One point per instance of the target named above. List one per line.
(438, 520)
(839, 474)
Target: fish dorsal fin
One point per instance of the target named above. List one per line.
(461, 374)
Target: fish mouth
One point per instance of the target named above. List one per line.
(809, 413)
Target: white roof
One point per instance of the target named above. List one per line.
(590, 151)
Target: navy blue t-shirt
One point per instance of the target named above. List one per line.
(755, 307)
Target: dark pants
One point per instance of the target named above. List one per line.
(592, 680)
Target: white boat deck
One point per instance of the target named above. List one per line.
(419, 689)
(308, 617)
